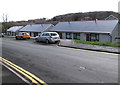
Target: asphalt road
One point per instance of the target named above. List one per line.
(55, 64)
(9, 77)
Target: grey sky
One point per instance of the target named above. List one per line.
(32, 9)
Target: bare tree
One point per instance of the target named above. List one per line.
(5, 17)
(5, 23)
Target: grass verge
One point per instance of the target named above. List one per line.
(98, 43)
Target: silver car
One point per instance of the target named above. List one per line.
(48, 37)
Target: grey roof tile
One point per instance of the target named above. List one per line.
(100, 26)
(14, 28)
(36, 27)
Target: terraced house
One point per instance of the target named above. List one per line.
(35, 29)
(98, 30)
(12, 31)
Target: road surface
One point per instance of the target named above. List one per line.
(55, 64)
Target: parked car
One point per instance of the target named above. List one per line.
(23, 35)
(48, 37)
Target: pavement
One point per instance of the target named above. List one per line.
(72, 44)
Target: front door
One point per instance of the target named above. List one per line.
(60, 34)
(87, 37)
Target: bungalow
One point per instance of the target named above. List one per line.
(98, 30)
(12, 31)
(111, 17)
(36, 29)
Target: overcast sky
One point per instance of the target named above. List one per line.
(18, 10)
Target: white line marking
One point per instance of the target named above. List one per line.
(16, 73)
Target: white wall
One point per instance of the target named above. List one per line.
(83, 36)
(115, 33)
(63, 35)
(72, 35)
(32, 34)
(104, 38)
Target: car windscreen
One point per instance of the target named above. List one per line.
(21, 33)
(53, 34)
(27, 33)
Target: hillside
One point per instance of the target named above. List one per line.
(100, 15)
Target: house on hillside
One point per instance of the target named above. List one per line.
(111, 17)
(35, 29)
(12, 31)
(98, 30)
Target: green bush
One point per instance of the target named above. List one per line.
(98, 43)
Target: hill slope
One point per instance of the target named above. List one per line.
(100, 15)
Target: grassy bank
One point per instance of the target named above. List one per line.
(98, 43)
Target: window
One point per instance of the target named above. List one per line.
(47, 34)
(21, 33)
(35, 34)
(68, 35)
(87, 36)
(53, 34)
(76, 36)
(26, 33)
(43, 34)
(30, 33)
(94, 37)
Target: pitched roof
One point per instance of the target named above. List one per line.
(111, 17)
(99, 26)
(36, 27)
(14, 28)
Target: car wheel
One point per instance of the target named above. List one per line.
(36, 40)
(16, 38)
(21, 38)
(47, 41)
(57, 42)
